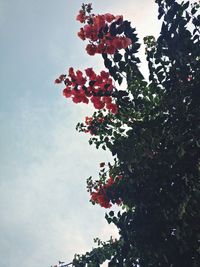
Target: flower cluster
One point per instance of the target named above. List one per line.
(101, 195)
(96, 88)
(98, 29)
(89, 120)
(92, 125)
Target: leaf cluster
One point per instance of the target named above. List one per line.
(155, 141)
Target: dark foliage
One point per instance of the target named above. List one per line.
(155, 141)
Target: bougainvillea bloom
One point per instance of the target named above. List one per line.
(101, 196)
(81, 34)
(97, 30)
(91, 49)
(67, 92)
(81, 16)
(90, 87)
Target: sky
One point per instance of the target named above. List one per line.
(45, 211)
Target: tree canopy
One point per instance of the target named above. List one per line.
(153, 132)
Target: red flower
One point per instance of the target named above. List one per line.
(67, 92)
(91, 49)
(109, 17)
(94, 196)
(101, 199)
(101, 48)
(104, 203)
(117, 43)
(95, 99)
(100, 196)
(101, 41)
(104, 74)
(110, 49)
(126, 42)
(90, 73)
(119, 18)
(85, 100)
(58, 81)
(79, 78)
(107, 99)
(62, 77)
(99, 21)
(84, 88)
(110, 182)
(77, 99)
(88, 120)
(71, 73)
(109, 85)
(89, 91)
(81, 34)
(98, 104)
(99, 80)
(88, 30)
(112, 107)
(81, 16)
(101, 119)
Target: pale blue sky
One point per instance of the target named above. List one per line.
(45, 211)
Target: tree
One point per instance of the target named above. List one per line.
(152, 130)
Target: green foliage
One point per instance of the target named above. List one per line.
(154, 139)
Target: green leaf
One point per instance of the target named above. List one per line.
(186, 5)
(111, 213)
